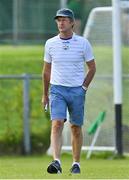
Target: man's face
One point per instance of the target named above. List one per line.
(64, 24)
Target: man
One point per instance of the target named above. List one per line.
(64, 69)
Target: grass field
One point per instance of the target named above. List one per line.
(28, 59)
(35, 168)
(21, 59)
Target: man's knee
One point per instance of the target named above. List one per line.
(76, 130)
(57, 126)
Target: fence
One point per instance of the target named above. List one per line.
(24, 21)
(108, 130)
(32, 21)
(26, 105)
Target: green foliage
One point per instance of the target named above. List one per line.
(19, 60)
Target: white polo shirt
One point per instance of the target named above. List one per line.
(68, 58)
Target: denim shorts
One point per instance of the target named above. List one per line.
(64, 98)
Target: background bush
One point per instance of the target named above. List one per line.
(20, 60)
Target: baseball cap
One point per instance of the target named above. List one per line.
(65, 12)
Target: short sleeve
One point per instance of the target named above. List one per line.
(47, 56)
(88, 52)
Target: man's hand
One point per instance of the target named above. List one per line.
(46, 81)
(45, 102)
(91, 72)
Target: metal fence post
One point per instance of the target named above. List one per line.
(15, 21)
(63, 3)
(26, 110)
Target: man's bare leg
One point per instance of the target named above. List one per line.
(76, 139)
(56, 138)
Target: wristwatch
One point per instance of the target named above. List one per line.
(85, 88)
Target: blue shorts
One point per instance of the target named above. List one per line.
(62, 98)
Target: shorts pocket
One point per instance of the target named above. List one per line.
(83, 90)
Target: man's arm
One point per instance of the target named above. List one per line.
(90, 74)
(46, 81)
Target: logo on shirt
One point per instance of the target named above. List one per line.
(65, 45)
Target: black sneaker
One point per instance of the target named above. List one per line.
(75, 169)
(54, 168)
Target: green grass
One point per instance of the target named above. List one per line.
(21, 59)
(35, 168)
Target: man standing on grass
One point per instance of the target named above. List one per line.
(64, 70)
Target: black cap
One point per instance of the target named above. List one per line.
(64, 13)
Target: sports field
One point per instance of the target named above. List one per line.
(35, 168)
(28, 59)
